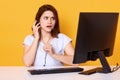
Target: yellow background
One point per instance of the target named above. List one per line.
(17, 17)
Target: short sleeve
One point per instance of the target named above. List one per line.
(65, 39)
(28, 40)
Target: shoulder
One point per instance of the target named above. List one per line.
(30, 36)
(64, 38)
(61, 35)
(28, 39)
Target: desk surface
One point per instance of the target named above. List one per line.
(21, 73)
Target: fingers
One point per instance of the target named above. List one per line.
(35, 28)
(36, 25)
(34, 22)
(47, 47)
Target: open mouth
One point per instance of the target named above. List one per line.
(49, 26)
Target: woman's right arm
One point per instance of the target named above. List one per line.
(30, 51)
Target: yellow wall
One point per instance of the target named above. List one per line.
(17, 17)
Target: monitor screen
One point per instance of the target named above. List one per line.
(96, 34)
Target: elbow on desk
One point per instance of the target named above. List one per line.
(26, 63)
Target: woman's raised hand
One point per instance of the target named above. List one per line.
(35, 28)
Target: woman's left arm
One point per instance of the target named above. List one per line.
(68, 58)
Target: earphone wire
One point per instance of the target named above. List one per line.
(45, 59)
(45, 53)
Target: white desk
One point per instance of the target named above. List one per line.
(21, 73)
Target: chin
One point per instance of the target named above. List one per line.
(48, 31)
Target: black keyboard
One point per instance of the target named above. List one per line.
(55, 70)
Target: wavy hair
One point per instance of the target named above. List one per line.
(48, 7)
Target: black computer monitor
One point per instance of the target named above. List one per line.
(95, 38)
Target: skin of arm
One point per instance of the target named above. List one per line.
(30, 51)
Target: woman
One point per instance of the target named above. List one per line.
(46, 46)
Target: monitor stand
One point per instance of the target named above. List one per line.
(105, 66)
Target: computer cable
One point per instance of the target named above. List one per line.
(115, 68)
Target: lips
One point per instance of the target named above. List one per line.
(49, 26)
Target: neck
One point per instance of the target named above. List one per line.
(46, 37)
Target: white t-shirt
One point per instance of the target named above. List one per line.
(42, 58)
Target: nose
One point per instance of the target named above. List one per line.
(50, 21)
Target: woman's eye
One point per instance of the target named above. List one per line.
(53, 18)
(45, 18)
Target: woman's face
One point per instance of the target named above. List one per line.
(47, 21)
